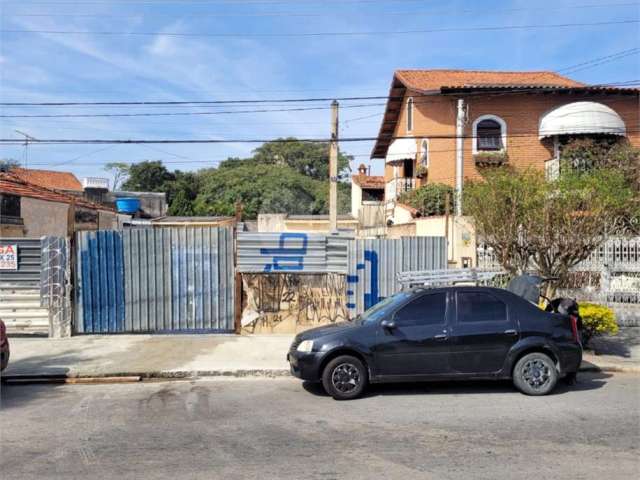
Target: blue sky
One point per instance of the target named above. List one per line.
(44, 67)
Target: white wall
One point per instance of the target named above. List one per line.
(356, 199)
(462, 236)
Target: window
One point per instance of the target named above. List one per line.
(372, 194)
(489, 133)
(408, 168)
(381, 309)
(10, 209)
(476, 307)
(409, 114)
(424, 153)
(428, 309)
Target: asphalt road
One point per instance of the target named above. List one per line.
(275, 428)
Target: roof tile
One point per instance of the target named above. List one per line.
(49, 178)
(14, 185)
(427, 80)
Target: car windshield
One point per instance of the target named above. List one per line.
(381, 309)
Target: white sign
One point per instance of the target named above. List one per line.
(8, 257)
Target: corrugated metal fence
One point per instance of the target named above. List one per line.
(155, 280)
(370, 265)
(20, 306)
(374, 265)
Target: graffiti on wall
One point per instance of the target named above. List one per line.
(289, 255)
(371, 297)
(289, 303)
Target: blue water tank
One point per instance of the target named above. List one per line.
(127, 205)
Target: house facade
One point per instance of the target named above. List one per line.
(30, 210)
(445, 126)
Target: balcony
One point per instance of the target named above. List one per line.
(398, 186)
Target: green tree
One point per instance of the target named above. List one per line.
(148, 176)
(307, 158)
(260, 188)
(549, 226)
(429, 199)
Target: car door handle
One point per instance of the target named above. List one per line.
(440, 337)
(510, 332)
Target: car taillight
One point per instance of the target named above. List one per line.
(574, 327)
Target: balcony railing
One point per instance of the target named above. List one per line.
(398, 186)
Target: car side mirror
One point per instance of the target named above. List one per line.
(388, 324)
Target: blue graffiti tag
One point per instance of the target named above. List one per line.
(371, 298)
(287, 257)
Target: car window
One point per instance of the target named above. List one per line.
(427, 309)
(384, 307)
(477, 307)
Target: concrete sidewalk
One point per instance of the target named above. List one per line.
(167, 356)
(150, 355)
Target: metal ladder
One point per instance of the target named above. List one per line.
(437, 278)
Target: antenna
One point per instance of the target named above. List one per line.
(27, 137)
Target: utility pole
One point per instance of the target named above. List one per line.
(460, 120)
(333, 170)
(27, 137)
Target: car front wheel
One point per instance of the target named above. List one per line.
(535, 374)
(344, 377)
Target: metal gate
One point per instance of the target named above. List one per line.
(20, 306)
(155, 280)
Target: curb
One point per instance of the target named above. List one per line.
(129, 377)
(124, 377)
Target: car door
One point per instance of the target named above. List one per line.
(417, 342)
(482, 333)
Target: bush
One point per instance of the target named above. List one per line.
(596, 320)
(428, 199)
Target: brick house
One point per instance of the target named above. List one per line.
(455, 122)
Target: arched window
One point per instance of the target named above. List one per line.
(489, 134)
(409, 114)
(424, 153)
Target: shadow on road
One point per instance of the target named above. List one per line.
(586, 381)
(35, 367)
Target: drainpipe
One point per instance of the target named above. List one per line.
(459, 155)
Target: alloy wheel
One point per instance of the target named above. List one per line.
(346, 377)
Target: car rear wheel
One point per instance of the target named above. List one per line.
(344, 377)
(535, 374)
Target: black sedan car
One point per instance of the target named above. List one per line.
(441, 334)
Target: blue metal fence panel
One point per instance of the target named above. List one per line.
(374, 264)
(155, 280)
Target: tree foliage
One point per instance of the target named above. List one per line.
(429, 199)
(8, 163)
(263, 189)
(119, 172)
(549, 226)
(311, 159)
(281, 177)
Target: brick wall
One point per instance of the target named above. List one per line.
(436, 115)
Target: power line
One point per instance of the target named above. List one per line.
(277, 140)
(617, 55)
(359, 13)
(172, 114)
(329, 34)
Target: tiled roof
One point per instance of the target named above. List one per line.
(429, 80)
(49, 179)
(368, 181)
(12, 184)
(433, 82)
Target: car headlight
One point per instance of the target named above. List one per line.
(305, 346)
